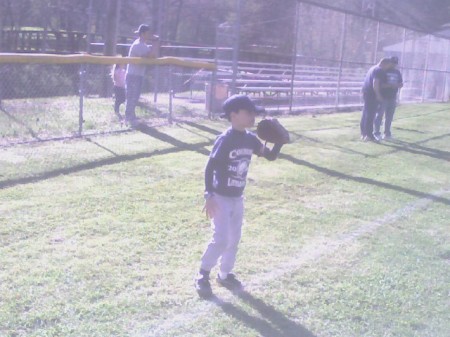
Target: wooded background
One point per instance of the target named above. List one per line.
(267, 25)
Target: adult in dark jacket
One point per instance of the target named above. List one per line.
(389, 91)
(372, 97)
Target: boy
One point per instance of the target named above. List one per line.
(225, 179)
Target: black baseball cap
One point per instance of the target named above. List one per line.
(238, 102)
(142, 29)
(394, 59)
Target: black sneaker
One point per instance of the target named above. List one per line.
(203, 286)
(231, 282)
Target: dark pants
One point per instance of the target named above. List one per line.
(387, 109)
(119, 95)
(368, 115)
(134, 86)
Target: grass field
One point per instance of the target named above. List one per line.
(39, 119)
(103, 236)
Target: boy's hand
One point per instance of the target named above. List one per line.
(210, 207)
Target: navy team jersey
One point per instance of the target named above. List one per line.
(226, 171)
(393, 76)
(374, 73)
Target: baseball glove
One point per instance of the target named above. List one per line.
(271, 131)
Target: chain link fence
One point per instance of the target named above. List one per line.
(333, 49)
(52, 98)
(336, 50)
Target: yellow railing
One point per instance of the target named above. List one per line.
(106, 60)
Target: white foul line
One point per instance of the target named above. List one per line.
(313, 251)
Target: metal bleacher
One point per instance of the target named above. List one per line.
(312, 86)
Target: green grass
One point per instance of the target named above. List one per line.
(102, 236)
(36, 119)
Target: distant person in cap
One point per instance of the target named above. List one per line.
(135, 72)
(372, 98)
(225, 180)
(389, 91)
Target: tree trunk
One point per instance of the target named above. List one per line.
(112, 23)
(177, 21)
(11, 14)
(111, 27)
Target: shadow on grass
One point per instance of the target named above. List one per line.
(273, 324)
(409, 130)
(421, 115)
(416, 148)
(203, 128)
(179, 146)
(364, 180)
(342, 149)
(152, 132)
(200, 127)
(182, 111)
(30, 130)
(299, 136)
(148, 108)
(101, 146)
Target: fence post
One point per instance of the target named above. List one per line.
(402, 64)
(425, 71)
(212, 87)
(170, 117)
(1, 35)
(2, 74)
(377, 36)
(236, 46)
(89, 26)
(156, 71)
(156, 84)
(82, 74)
(294, 56)
(445, 96)
(212, 90)
(341, 61)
